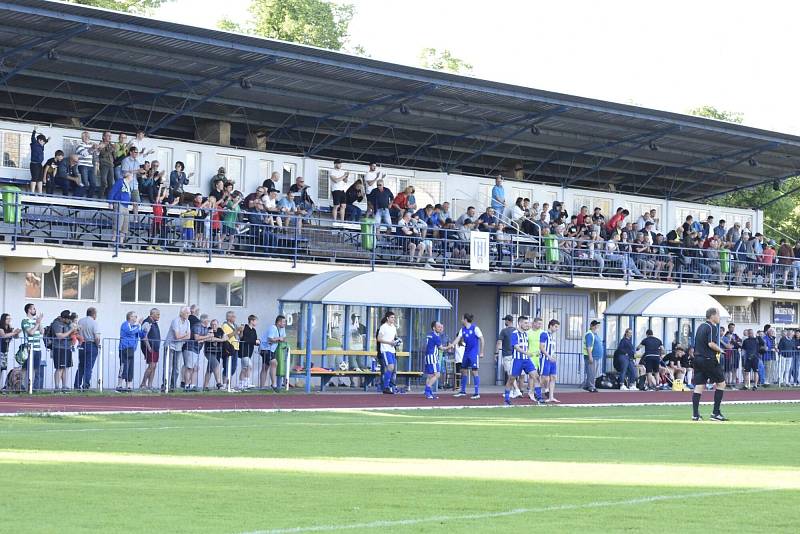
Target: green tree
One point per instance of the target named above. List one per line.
(432, 58)
(311, 22)
(780, 209)
(127, 6)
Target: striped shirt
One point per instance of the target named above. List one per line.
(549, 343)
(520, 338)
(432, 344)
(85, 156)
(35, 339)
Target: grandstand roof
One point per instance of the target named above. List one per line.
(118, 71)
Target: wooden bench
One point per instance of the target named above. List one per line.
(369, 376)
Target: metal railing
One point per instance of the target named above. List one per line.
(213, 234)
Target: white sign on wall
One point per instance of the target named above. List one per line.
(479, 251)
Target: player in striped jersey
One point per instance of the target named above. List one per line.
(472, 337)
(521, 360)
(547, 360)
(433, 344)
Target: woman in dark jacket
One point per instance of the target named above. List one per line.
(623, 360)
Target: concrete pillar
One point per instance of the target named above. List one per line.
(214, 132)
(257, 140)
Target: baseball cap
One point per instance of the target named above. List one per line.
(594, 323)
(508, 318)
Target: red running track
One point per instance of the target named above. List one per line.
(12, 404)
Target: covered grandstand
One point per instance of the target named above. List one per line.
(104, 70)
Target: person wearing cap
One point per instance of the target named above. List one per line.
(338, 178)
(592, 355)
(505, 350)
(734, 233)
(371, 177)
(219, 177)
(62, 328)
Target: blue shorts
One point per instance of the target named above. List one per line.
(525, 366)
(547, 367)
(389, 358)
(431, 368)
(469, 362)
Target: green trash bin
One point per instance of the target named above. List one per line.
(725, 260)
(367, 233)
(551, 249)
(280, 356)
(11, 204)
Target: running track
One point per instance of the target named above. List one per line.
(12, 404)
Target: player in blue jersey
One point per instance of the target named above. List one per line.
(521, 361)
(433, 344)
(547, 360)
(472, 337)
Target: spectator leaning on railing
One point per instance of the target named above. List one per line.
(130, 332)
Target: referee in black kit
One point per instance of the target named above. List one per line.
(707, 366)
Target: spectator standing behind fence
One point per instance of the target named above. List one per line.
(191, 351)
(32, 331)
(37, 158)
(214, 337)
(86, 151)
(7, 333)
(275, 334)
(786, 347)
(794, 376)
(105, 156)
(151, 348)
(230, 348)
(338, 178)
(770, 356)
(249, 342)
(62, 328)
(89, 331)
(121, 196)
(130, 332)
(178, 333)
(381, 200)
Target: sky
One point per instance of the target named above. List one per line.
(674, 56)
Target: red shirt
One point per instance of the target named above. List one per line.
(768, 257)
(158, 213)
(582, 219)
(612, 223)
(401, 201)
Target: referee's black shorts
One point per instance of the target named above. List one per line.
(707, 369)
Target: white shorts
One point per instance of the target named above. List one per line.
(190, 359)
(247, 363)
(508, 363)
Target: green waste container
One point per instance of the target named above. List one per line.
(725, 260)
(367, 233)
(551, 249)
(280, 355)
(11, 204)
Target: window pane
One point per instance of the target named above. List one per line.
(33, 286)
(128, 285)
(222, 294)
(88, 282)
(237, 293)
(192, 166)
(264, 170)
(178, 287)
(234, 170)
(323, 179)
(164, 157)
(289, 173)
(51, 282)
(69, 282)
(11, 152)
(145, 286)
(163, 291)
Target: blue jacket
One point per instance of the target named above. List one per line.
(786, 346)
(37, 150)
(129, 335)
(626, 347)
(120, 192)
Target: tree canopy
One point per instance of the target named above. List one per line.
(444, 59)
(311, 22)
(126, 6)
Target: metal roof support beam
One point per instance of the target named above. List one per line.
(399, 99)
(56, 40)
(643, 140)
(691, 185)
(748, 186)
(197, 103)
(515, 133)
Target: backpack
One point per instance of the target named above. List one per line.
(48, 336)
(14, 380)
(607, 381)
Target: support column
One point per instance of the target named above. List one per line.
(257, 140)
(214, 132)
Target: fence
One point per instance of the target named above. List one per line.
(204, 232)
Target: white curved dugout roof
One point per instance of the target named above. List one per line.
(682, 303)
(370, 288)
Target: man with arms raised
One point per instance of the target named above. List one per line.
(707, 366)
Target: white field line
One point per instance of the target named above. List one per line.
(44, 410)
(505, 513)
(531, 471)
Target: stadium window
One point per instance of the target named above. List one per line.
(744, 314)
(233, 167)
(699, 215)
(426, 192)
(323, 189)
(230, 294)
(16, 149)
(591, 202)
(164, 157)
(66, 281)
(264, 170)
(153, 286)
(192, 162)
(289, 174)
(575, 327)
(638, 209)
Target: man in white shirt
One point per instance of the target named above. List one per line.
(372, 176)
(388, 344)
(338, 179)
(143, 144)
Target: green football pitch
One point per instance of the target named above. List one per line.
(474, 470)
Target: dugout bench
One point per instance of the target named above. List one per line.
(325, 375)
